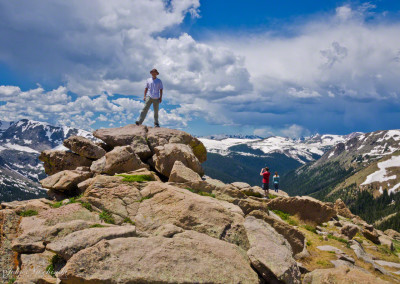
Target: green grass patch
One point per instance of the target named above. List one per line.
(50, 269)
(57, 204)
(11, 280)
(272, 196)
(324, 263)
(97, 226)
(330, 236)
(107, 217)
(202, 193)
(75, 199)
(129, 221)
(385, 250)
(136, 178)
(286, 217)
(86, 205)
(309, 243)
(310, 228)
(28, 213)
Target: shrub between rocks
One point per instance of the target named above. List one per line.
(51, 268)
(107, 217)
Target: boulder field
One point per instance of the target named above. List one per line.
(134, 206)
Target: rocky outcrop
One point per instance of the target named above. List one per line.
(371, 235)
(295, 238)
(84, 147)
(57, 161)
(125, 149)
(349, 230)
(342, 209)
(120, 160)
(167, 204)
(270, 253)
(162, 136)
(188, 257)
(182, 174)
(120, 221)
(120, 136)
(306, 208)
(71, 244)
(65, 181)
(166, 156)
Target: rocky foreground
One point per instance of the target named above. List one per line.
(136, 208)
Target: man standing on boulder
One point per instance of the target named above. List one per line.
(155, 88)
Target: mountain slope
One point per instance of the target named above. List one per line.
(341, 162)
(364, 172)
(20, 145)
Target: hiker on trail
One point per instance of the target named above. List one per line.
(275, 180)
(265, 182)
(155, 88)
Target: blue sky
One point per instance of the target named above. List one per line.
(247, 67)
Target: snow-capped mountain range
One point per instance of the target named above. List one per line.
(20, 145)
(302, 150)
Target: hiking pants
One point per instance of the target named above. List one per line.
(147, 104)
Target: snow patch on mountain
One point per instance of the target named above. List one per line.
(222, 146)
(18, 148)
(302, 150)
(381, 174)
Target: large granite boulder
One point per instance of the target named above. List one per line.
(161, 136)
(166, 156)
(307, 208)
(35, 268)
(251, 204)
(109, 193)
(181, 174)
(120, 136)
(295, 238)
(349, 230)
(270, 253)
(188, 257)
(65, 181)
(141, 148)
(69, 245)
(84, 147)
(55, 161)
(371, 235)
(342, 209)
(166, 204)
(120, 160)
(37, 231)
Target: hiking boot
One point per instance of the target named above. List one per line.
(156, 125)
(137, 123)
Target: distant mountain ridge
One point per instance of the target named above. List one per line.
(232, 156)
(20, 145)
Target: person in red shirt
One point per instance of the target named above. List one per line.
(265, 182)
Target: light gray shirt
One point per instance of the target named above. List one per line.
(154, 86)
